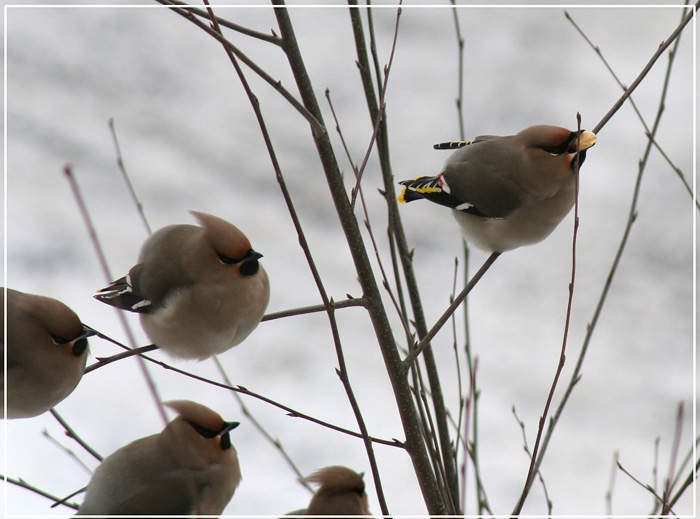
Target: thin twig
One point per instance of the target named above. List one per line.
(276, 84)
(368, 226)
(382, 109)
(274, 441)
(688, 483)
(291, 412)
(427, 480)
(238, 389)
(99, 251)
(343, 303)
(470, 401)
(632, 216)
(673, 458)
(69, 452)
(130, 352)
(417, 386)
(21, 483)
(664, 45)
(655, 467)
(429, 432)
(482, 502)
(460, 389)
(69, 496)
(460, 74)
(425, 341)
(449, 499)
(70, 432)
(597, 50)
(529, 454)
(127, 179)
(643, 485)
(289, 47)
(611, 485)
(684, 463)
(678, 171)
(482, 499)
(398, 236)
(270, 38)
(414, 442)
(534, 468)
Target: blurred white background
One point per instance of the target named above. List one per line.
(190, 141)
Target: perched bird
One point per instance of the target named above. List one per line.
(190, 468)
(507, 192)
(47, 350)
(341, 492)
(200, 290)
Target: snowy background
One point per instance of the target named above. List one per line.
(190, 141)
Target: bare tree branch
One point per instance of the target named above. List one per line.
(534, 468)
(344, 303)
(425, 341)
(276, 84)
(289, 46)
(613, 269)
(21, 483)
(662, 47)
(673, 51)
(261, 429)
(398, 236)
(99, 251)
(375, 307)
(72, 434)
(270, 38)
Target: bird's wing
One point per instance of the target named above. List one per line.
(483, 189)
(170, 494)
(122, 294)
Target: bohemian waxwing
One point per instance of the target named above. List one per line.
(507, 192)
(342, 492)
(190, 468)
(47, 350)
(199, 290)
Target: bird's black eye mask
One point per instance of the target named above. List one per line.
(568, 147)
(80, 342)
(564, 146)
(79, 347)
(248, 264)
(223, 432)
(360, 489)
(59, 340)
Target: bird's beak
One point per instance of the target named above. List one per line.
(250, 256)
(583, 142)
(228, 426)
(225, 438)
(80, 343)
(86, 332)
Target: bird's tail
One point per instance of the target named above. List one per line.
(121, 294)
(421, 187)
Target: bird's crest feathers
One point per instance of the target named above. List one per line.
(336, 478)
(225, 237)
(197, 414)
